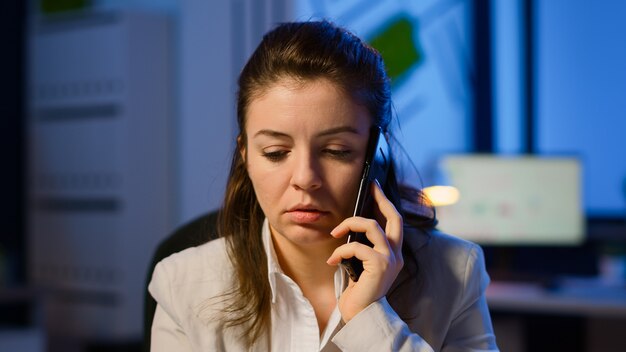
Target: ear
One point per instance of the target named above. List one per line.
(241, 146)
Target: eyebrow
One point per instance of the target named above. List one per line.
(336, 130)
(330, 131)
(271, 133)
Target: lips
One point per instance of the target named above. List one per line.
(304, 214)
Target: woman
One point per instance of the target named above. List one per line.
(307, 99)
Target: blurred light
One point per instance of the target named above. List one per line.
(442, 195)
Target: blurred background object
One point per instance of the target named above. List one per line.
(515, 201)
(99, 196)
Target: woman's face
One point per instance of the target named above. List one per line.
(304, 154)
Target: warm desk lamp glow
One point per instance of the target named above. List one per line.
(442, 195)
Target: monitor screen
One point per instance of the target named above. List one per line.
(514, 200)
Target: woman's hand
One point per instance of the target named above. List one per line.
(381, 264)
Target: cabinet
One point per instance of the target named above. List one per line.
(99, 162)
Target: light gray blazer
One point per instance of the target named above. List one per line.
(437, 302)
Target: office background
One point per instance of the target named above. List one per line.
(541, 78)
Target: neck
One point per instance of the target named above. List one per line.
(306, 265)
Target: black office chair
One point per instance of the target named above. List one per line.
(194, 233)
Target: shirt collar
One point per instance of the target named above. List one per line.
(275, 271)
(273, 268)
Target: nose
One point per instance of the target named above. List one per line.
(306, 173)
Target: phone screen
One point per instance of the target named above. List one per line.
(377, 162)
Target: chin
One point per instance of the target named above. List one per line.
(307, 233)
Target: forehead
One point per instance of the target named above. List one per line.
(305, 105)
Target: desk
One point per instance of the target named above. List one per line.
(582, 297)
(578, 315)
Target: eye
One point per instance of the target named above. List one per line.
(275, 156)
(341, 154)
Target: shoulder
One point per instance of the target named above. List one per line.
(190, 277)
(436, 244)
(454, 249)
(442, 269)
(447, 260)
(196, 263)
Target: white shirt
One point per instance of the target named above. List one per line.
(294, 325)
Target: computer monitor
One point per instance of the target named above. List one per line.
(519, 200)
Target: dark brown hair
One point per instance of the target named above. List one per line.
(302, 52)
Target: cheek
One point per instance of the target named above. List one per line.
(267, 184)
(257, 182)
(344, 183)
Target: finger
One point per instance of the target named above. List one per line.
(394, 225)
(370, 227)
(354, 249)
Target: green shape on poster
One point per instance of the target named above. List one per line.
(395, 43)
(60, 6)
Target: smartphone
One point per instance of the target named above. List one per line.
(376, 167)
